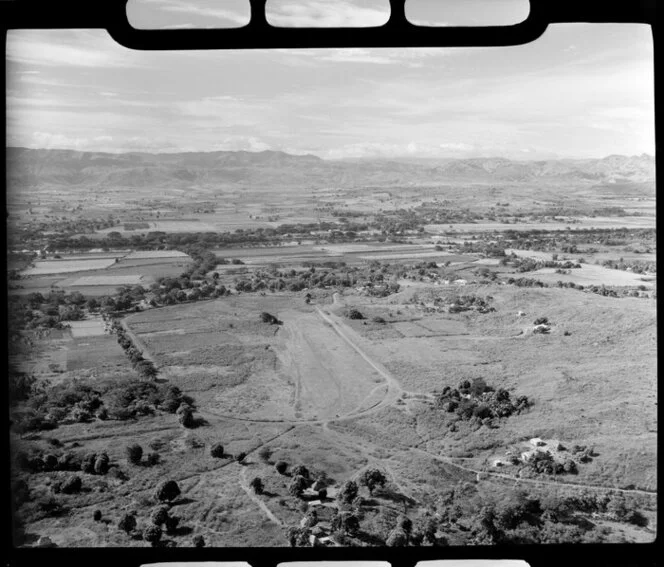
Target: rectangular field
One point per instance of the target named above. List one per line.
(45, 267)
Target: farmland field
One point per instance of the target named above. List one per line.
(65, 266)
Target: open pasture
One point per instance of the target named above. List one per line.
(591, 274)
(88, 328)
(302, 366)
(47, 267)
(646, 221)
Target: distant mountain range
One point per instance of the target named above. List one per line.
(51, 167)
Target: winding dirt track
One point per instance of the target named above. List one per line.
(392, 394)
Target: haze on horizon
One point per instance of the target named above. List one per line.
(579, 91)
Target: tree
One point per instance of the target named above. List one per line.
(134, 453)
(159, 515)
(101, 464)
(346, 522)
(397, 538)
(300, 470)
(152, 534)
(281, 467)
(96, 516)
(72, 485)
(185, 415)
(127, 523)
(347, 492)
(371, 478)
(297, 486)
(257, 485)
(198, 541)
(88, 463)
(217, 450)
(406, 524)
(167, 491)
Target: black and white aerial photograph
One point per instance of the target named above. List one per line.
(331, 297)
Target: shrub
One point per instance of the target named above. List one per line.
(217, 450)
(301, 470)
(88, 463)
(68, 462)
(371, 478)
(153, 458)
(281, 467)
(264, 454)
(297, 486)
(257, 485)
(167, 491)
(101, 464)
(354, 314)
(348, 492)
(134, 454)
(72, 485)
(152, 534)
(185, 415)
(240, 457)
(96, 515)
(380, 320)
(127, 523)
(268, 318)
(397, 538)
(159, 515)
(198, 541)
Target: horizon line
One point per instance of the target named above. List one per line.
(310, 154)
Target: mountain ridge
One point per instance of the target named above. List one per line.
(29, 167)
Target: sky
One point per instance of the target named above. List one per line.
(579, 91)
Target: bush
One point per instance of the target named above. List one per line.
(198, 541)
(264, 454)
(127, 523)
(397, 538)
(217, 450)
(72, 485)
(257, 485)
(159, 515)
(101, 464)
(134, 454)
(300, 470)
(281, 467)
(96, 515)
(240, 457)
(152, 534)
(297, 486)
(347, 492)
(68, 462)
(268, 318)
(185, 415)
(167, 491)
(50, 462)
(354, 314)
(371, 478)
(153, 458)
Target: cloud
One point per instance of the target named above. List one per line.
(326, 13)
(241, 143)
(67, 48)
(149, 14)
